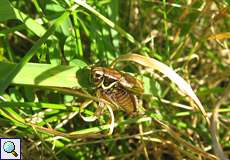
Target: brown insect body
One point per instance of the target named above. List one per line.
(121, 97)
(121, 92)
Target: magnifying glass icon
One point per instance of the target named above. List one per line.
(9, 147)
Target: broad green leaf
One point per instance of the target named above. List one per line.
(30, 23)
(44, 75)
(6, 11)
(53, 50)
(54, 10)
(70, 48)
(151, 87)
(78, 62)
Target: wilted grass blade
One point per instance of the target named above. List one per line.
(167, 71)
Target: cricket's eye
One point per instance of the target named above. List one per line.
(97, 77)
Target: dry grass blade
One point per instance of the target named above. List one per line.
(90, 118)
(112, 124)
(164, 69)
(219, 36)
(214, 123)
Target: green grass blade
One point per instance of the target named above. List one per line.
(30, 23)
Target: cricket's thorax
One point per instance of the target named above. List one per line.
(111, 75)
(100, 72)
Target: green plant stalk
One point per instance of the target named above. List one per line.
(7, 30)
(39, 10)
(9, 51)
(77, 34)
(4, 83)
(166, 27)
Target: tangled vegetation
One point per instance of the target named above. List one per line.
(177, 49)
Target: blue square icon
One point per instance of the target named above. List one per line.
(10, 148)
